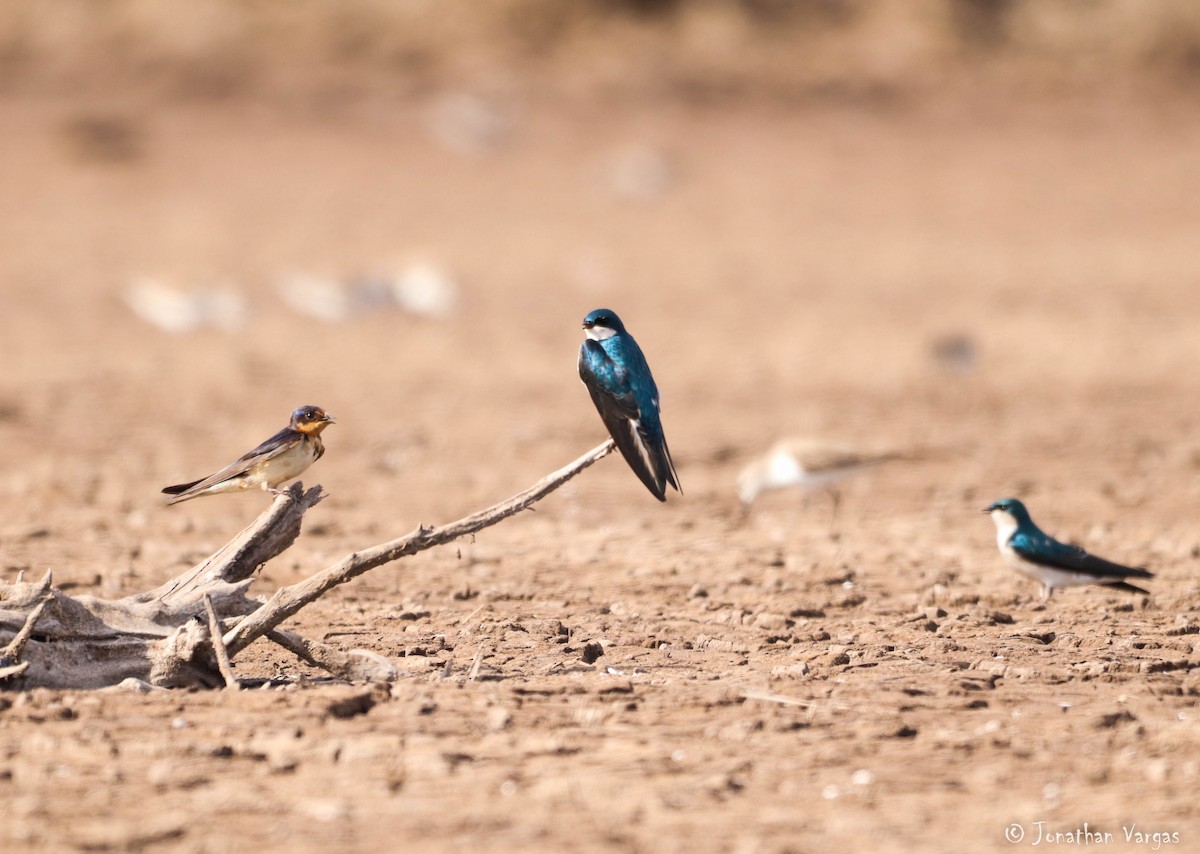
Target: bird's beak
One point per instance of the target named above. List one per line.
(329, 419)
(989, 508)
(587, 325)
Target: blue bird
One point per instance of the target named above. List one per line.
(615, 372)
(1030, 551)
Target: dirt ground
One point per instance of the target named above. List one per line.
(791, 680)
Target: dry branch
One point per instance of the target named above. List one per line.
(287, 601)
(222, 654)
(12, 651)
(10, 657)
(271, 534)
(170, 636)
(358, 665)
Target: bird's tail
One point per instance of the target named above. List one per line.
(178, 490)
(1128, 588)
(667, 468)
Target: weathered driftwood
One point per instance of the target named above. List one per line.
(161, 636)
(185, 632)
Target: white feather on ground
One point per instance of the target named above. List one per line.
(808, 464)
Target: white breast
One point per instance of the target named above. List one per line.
(291, 463)
(1006, 526)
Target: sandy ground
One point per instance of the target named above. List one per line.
(792, 680)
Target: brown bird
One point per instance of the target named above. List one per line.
(282, 457)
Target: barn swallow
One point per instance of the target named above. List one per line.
(1041, 557)
(282, 457)
(615, 372)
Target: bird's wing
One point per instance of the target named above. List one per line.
(620, 416)
(1046, 551)
(268, 450)
(651, 436)
(608, 384)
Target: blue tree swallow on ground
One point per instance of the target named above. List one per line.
(1041, 557)
(282, 457)
(615, 372)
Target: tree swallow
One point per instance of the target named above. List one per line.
(615, 372)
(1041, 557)
(282, 457)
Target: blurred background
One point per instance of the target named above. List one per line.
(960, 224)
(685, 49)
(961, 230)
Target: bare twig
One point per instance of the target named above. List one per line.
(475, 664)
(12, 652)
(218, 642)
(776, 698)
(358, 665)
(15, 670)
(84, 642)
(287, 601)
(266, 537)
(10, 656)
(471, 616)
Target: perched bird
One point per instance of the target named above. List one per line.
(1041, 557)
(282, 457)
(807, 464)
(615, 372)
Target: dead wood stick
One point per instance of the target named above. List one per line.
(218, 642)
(12, 651)
(15, 670)
(764, 697)
(266, 537)
(312, 652)
(287, 601)
(357, 666)
(475, 664)
(11, 654)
